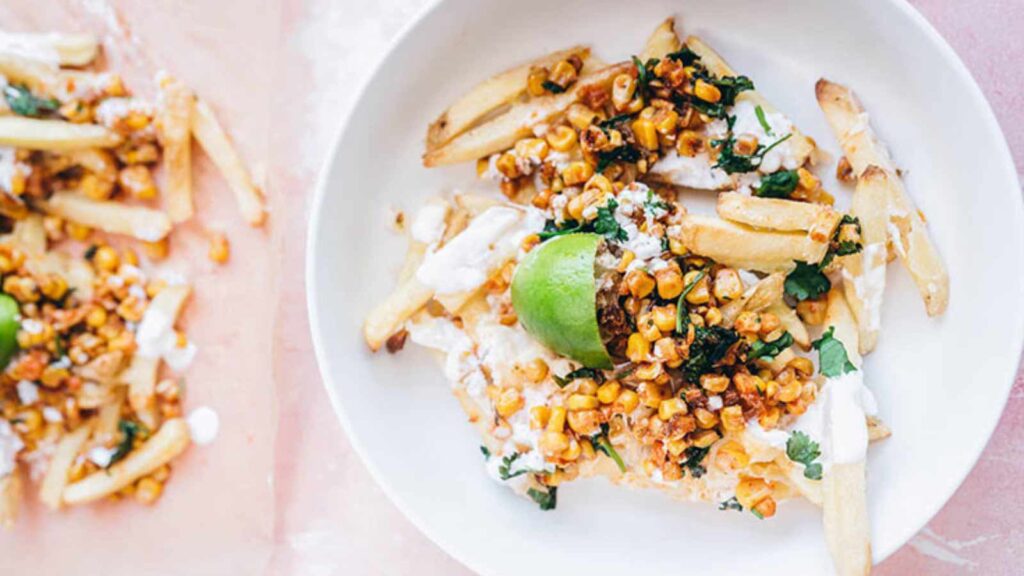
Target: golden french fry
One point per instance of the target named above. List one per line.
(62, 49)
(215, 142)
(174, 121)
(877, 430)
(387, 317)
(35, 75)
(907, 229)
(56, 478)
(792, 323)
(490, 95)
(742, 247)
(845, 518)
(818, 220)
(503, 131)
(662, 41)
(114, 217)
(838, 315)
(10, 499)
(168, 442)
(36, 134)
(864, 273)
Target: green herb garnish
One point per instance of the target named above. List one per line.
(756, 513)
(832, 358)
(759, 112)
(505, 468)
(624, 153)
(486, 452)
(653, 203)
(552, 87)
(563, 381)
(733, 163)
(602, 444)
(800, 448)
(129, 430)
(23, 103)
(694, 456)
(606, 225)
(611, 122)
(731, 504)
(546, 500)
(806, 282)
(710, 345)
(769, 350)
(779, 184)
(682, 317)
(684, 55)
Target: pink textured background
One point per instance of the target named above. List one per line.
(337, 521)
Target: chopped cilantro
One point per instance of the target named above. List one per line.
(684, 55)
(832, 358)
(505, 468)
(759, 112)
(694, 456)
(800, 448)
(806, 282)
(552, 87)
(681, 316)
(486, 452)
(756, 513)
(769, 350)
(563, 381)
(129, 430)
(606, 225)
(778, 184)
(731, 504)
(731, 86)
(733, 163)
(546, 500)
(624, 153)
(23, 103)
(653, 203)
(602, 444)
(710, 345)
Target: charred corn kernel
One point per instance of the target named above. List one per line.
(670, 283)
(539, 417)
(770, 418)
(670, 407)
(130, 257)
(706, 91)
(732, 419)
(649, 371)
(124, 342)
(28, 421)
(705, 418)
(220, 250)
(53, 286)
(699, 294)
(138, 181)
(106, 259)
(665, 349)
(690, 143)
(746, 145)
(704, 438)
(609, 392)
(807, 181)
(506, 164)
(677, 446)
(136, 120)
(556, 421)
(750, 491)
(748, 383)
(627, 401)
(639, 283)
(732, 456)
(713, 317)
(77, 231)
(627, 258)
(577, 173)
(623, 90)
(638, 349)
(844, 170)
(748, 322)
(573, 451)
(148, 490)
(728, 285)
(532, 148)
(664, 317)
(584, 422)
(563, 74)
(802, 365)
(580, 116)
(789, 391)
(645, 133)
(535, 81)
(22, 289)
(714, 383)
(94, 187)
(542, 199)
(561, 138)
(536, 370)
(645, 325)
(509, 402)
(53, 377)
(581, 402)
(771, 389)
(650, 394)
(676, 246)
(586, 386)
(575, 207)
(76, 112)
(600, 186)
(665, 121)
(812, 311)
(765, 508)
(769, 323)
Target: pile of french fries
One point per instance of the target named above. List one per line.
(80, 150)
(766, 235)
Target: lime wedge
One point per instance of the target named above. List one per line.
(8, 329)
(555, 297)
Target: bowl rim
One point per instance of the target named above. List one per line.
(937, 41)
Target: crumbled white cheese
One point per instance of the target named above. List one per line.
(10, 445)
(429, 224)
(101, 456)
(715, 402)
(111, 110)
(747, 123)
(156, 338)
(203, 425)
(51, 414)
(691, 171)
(28, 392)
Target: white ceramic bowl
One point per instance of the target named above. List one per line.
(941, 384)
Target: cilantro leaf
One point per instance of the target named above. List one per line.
(546, 500)
(624, 153)
(563, 381)
(769, 350)
(779, 184)
(23, 103)
(505, 468)
(552, 87)
(806, 282)
(606, 224)
(694, 456)
(731, 86)
(611, 122)
(684, 55)
(800, 448)
(681, 315)
(602, 444)
(551, 229)
(832, 358)
(733, 163)
(129, 431)
(486, 452)
(759, 112)
(710, 345)
(756, 513)
(650, 204)
(731, 504)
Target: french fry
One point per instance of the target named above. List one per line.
(173, 122)
(877, 430)
(28, 235)
(818, 220)
(739, 246)
(36, 134)
(141, 374)
(114, 217)
(792, 323)
(839, 316)
(766, 292)
(662, 41)
(10, 499)
(907, 229)
(864, 273)
(503, 131)
(36, 76)
(387, 317)
(168, 442)
(490, 95)
(64, 49)
(801, 145)
(56, 478)
(218, 147)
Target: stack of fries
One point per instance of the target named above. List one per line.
(85, 414)
(576, 145)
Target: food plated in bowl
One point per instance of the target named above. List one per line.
(749, 231)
